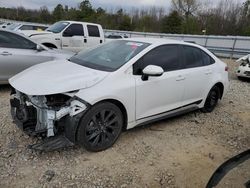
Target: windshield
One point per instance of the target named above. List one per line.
(110, 56)
(57, 27)
(12, 26)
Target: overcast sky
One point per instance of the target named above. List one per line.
(108, 4)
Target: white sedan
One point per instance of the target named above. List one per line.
(93, 96)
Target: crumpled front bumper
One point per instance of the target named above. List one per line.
(58, 125)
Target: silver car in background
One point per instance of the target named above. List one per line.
(18, 53)
(19, 27)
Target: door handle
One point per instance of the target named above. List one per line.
(6, 53)
(180, 78)
(85, 40)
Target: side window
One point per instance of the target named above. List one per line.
(39, 28)
(74, 30)
(93, 31)
(26, 27)
(207, 60)
(193, 57)
(10, 40)
(166, 57)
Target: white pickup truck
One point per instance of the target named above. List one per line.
(70, 35)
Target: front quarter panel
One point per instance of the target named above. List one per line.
(117, 86)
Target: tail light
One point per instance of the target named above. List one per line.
(226, 68)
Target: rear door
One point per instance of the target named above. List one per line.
(94, 36)
(73, 38)
(199, 71)
(18, 53)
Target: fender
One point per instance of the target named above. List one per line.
(49, 38)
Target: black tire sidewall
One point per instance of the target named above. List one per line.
(207, 107)
(81, 139)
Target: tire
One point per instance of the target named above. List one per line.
(211, 100)
(100, 127)
(241, 78)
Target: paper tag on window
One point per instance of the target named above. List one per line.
(134, 44)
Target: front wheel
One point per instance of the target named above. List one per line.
(212, 100)
(100, 127)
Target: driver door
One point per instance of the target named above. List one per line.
(73, 38)
(159, 94)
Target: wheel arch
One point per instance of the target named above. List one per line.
(121, 106)
(221, 87)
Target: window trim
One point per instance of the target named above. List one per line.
(17, 37)
(135, 72)
(97, 29)
(70, 26)
(201, 50)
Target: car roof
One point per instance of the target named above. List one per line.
(156, 41)
(161, 41)
(79, 22)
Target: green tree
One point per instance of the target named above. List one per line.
(191, 26)
(58, 12)
(125, 24)
(172, 23)
(45, 16)
(86, 10)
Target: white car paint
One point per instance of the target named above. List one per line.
(141, 99)
(90, 98)
(243, 70)
(54, 77)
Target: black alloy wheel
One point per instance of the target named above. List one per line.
(100, 127)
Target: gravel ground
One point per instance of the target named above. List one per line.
(178, 152)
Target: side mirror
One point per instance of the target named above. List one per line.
(151, 70)
(39, 48)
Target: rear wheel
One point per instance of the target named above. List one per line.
(212, 100)
(100, 127)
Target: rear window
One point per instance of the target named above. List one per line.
(207, 60)
(26, 27)
(93, 31)
(193, 57)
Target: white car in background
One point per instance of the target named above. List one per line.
(4, 25)
(93, 96)
(243, 70)
(70, 35)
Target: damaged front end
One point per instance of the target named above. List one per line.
(53, 117)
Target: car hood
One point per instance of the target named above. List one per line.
(37, 33)
(56, 77)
